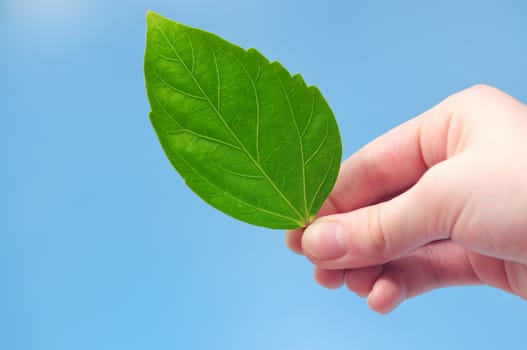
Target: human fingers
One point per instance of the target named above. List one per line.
(442, 264)
(436, 265)
(293, 240)
(331, 279)
(439, 264)
(386, 231)
(393, 162)
(361, 281)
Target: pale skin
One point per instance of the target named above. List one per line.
(439, 201)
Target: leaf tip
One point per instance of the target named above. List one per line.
(152, 16)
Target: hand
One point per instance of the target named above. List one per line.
(439, 201)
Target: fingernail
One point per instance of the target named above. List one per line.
(324, 240)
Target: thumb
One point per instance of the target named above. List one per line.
(383, 232)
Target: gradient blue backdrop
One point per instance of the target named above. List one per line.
(103, 247)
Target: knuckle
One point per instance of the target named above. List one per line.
(435, 265)
(478, 88)
(517, 278)
(377, 233)
(475, 94)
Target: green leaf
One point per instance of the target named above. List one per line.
(248, 138)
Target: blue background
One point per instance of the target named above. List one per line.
(103, 247)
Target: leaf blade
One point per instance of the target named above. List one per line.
(234, 126)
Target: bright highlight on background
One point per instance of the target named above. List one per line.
(46, 23)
